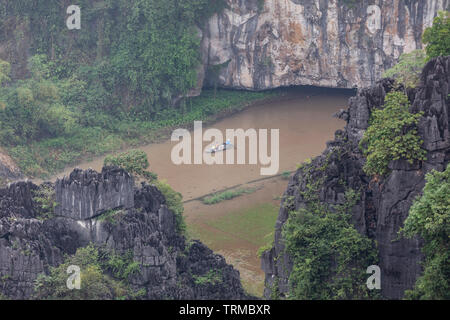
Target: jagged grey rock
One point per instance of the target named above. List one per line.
(385, 203)
(143, 224)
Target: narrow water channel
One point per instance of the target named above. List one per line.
(305, 122)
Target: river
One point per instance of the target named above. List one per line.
(304, 119)
(237, 228)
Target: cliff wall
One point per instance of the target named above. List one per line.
(385, 202)
(169, 266)
(336, 43)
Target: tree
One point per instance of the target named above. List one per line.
(437, 37)
(391, 135)
(429, 218)
(134, 162)
(407, 71)
(5, 69)
(104, 275)
(328, 254)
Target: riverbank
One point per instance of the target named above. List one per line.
(305, 119)
(237, 228)
(45, 158)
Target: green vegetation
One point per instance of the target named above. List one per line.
(350, 3)
(111, 85)
(329, 255)
(125, 49)
(318, 239)
(226, 195)
(260, 5)
(252, 225)
(104, 275)
(174, 201)
(286, 175)
(44, 132)
(429, 218)
(437, 37)
(391, 135)
(407, 71)
(237, 234)
(212, 277)
(111, 216)
(134, 162)
(44, 197)
(263, 249)
(5, 69)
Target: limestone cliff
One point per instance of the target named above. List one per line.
(264, 44)
(169, 266)
(385, 202)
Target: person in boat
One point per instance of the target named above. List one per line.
(213, 149)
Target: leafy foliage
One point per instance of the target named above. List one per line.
(429, 218)
(104, 275)
(212, 277)
(330, 256)
(109, 85)
(226, 195)
(45, 198)
(391, 135)
(174, 201)
(437, 37)
(134, 162)
(126, 51)
(407, 71)
(5, 69)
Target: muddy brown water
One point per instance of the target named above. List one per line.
(305, 122)
(304, 117)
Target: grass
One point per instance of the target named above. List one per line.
(238, 235)
(286, 175)
(254, 224)
(107, 133)
(226, 195)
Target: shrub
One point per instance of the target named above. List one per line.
(212, 277)
(437, 37)
(5, 69)
(329, 255)
(226, 195)
(174, 201)
(391, 135)
(407, 71)
(96, 284)
(429, 218)
(134, 161)
(45, 198)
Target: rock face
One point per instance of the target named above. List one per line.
(85, 194)
(384, 203)
(8, 169)
(169, 266)
(271, 43)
